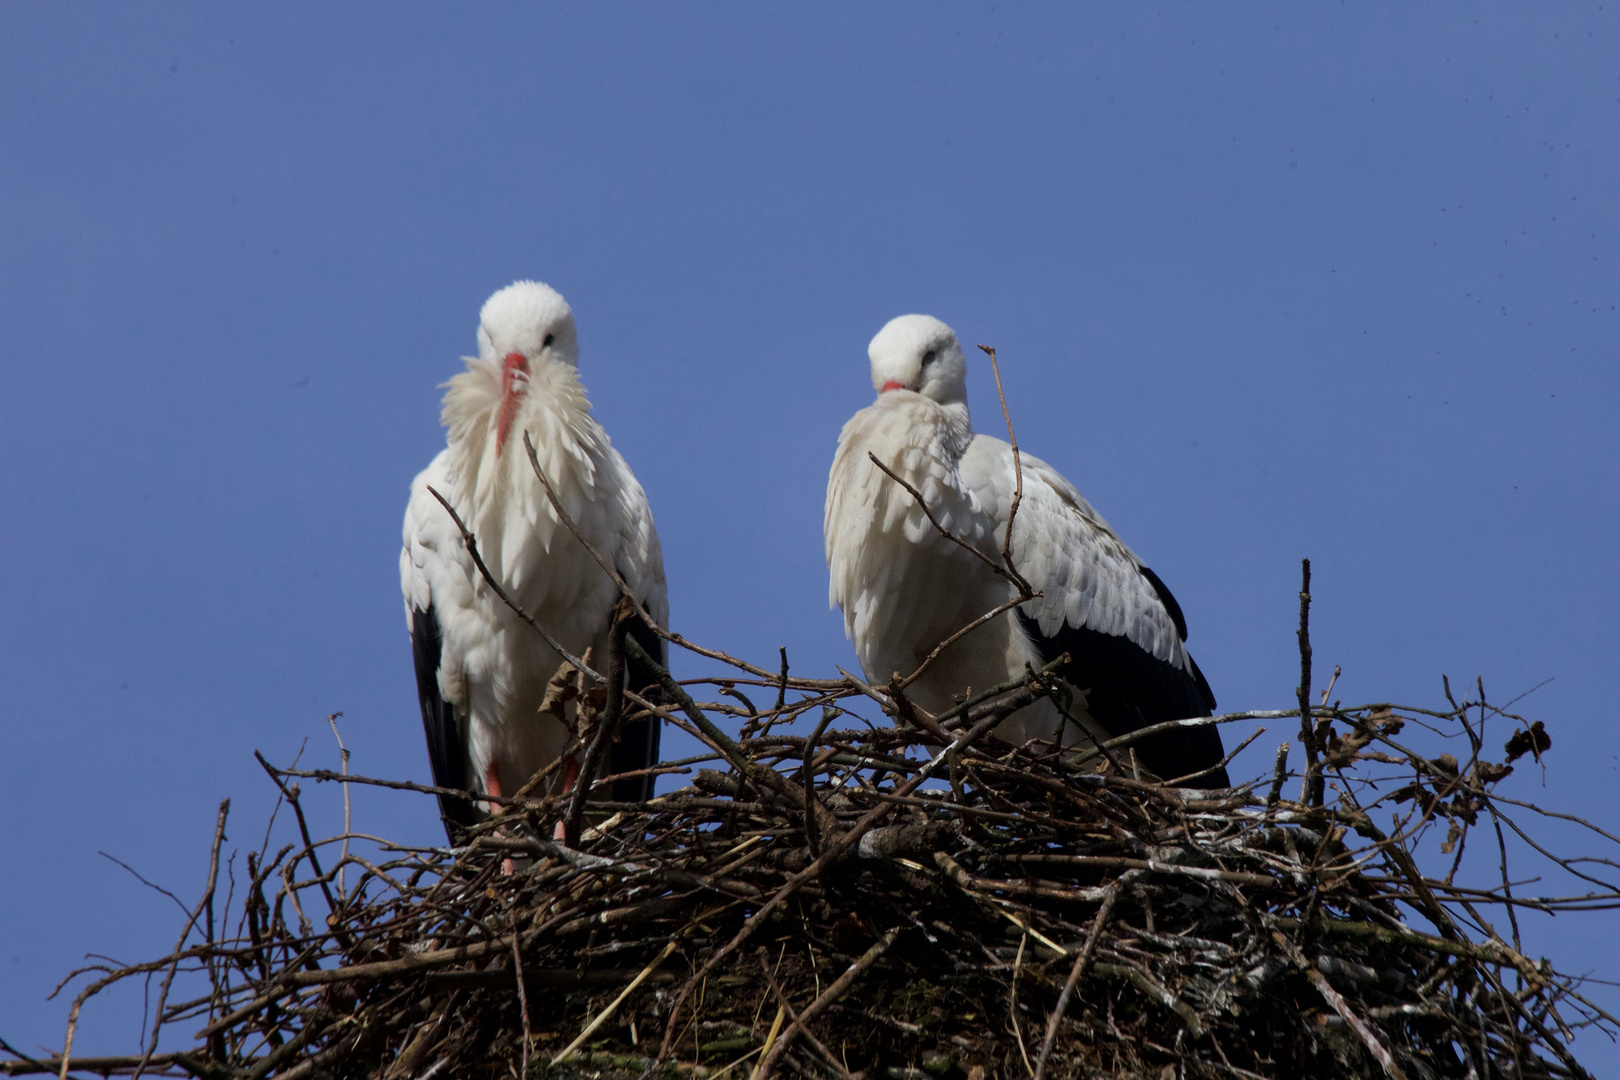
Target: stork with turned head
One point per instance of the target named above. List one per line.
(905, 587)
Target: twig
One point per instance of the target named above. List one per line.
(1018, 477)
(770, 1040)
(1307, 734)
(769, 779)
(1012, 1004)
(809, 780)
(179, 946)
(468, 539)
(568, 523)
(995, 568)
(607, 727)
(791, 1014)
(397, 785)
(768, 1063)
(602, 1016)
(1075, 972)
(1278, 775)
(1132, 737)
(343, 756)
(523, 1001)
(149, 884)
(917, 672)
(1373, 1043)
(1181, 781)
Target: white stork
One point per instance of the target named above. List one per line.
(905, 588)
(481, 673)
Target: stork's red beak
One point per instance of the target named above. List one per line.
(511, 391)
(891, 385)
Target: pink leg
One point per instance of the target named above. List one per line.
(492, 786)
(570, 778)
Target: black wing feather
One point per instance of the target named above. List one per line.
(1169, 602)
(447, 750)
(637, 744)
(1128, 688)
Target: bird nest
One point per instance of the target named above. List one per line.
(899, 900)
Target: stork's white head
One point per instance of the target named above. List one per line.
(521, 326)
(919, 353)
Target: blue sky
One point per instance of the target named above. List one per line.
(1267, 281)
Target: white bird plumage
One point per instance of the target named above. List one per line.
(481, 673)
(904, 587)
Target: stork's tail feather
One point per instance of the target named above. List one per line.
(637, 745)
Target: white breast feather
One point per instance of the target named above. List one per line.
(898, 581)
(492, 667)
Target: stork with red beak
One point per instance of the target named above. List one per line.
(905, 588)
(481, 673)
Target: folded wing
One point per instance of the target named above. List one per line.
(1123, 630)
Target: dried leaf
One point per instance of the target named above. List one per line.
(560, 690)
(1385, 722)
(1535, 741)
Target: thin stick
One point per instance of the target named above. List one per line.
(808, 776)
(1012, 1003)
(958, 636)
(1372, 1042)
(768, 1063)
(1073, 980)
(602, 1016)
(1005, 570)
(343, 754)
(770, 1041)
(1181, 781)
(995, 568)
(489, 579)
(523, 999)
(1141, 733)
(607, 727)
(1278, 774)
(179, 946)
(397, 785)
(1312, 794)
(568, 523)
(1018, 476)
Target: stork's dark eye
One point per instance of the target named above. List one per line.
(546, 344)
(929, 357)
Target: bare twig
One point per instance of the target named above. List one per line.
(568, 523)
(1018, 479)
(999, 569)
(607, 727)
(1075, 972)
(602, 1017)
(1307, 733)
(496, 587)
(179, 946)
(523, 1001)
(837, 990)
(343, 757)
